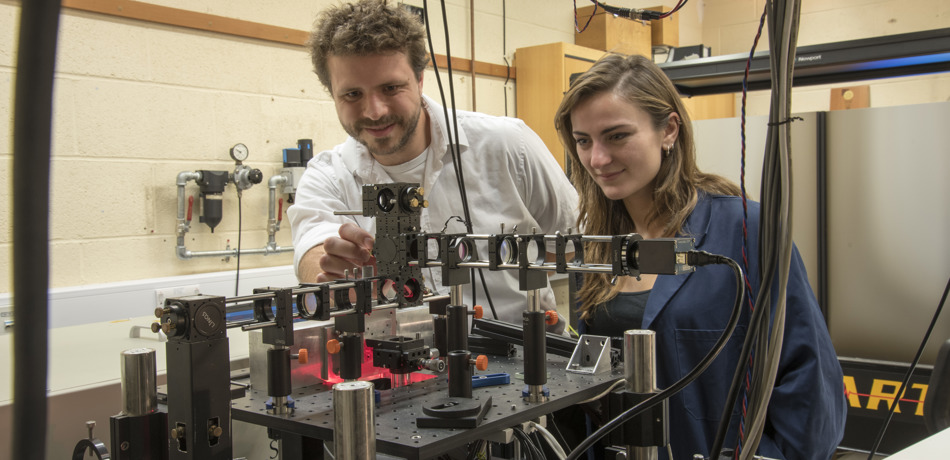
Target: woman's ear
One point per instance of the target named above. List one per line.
(672, 130)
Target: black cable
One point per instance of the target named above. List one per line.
(557, 432)
(743, 366)
(577, 27)
(237, 272)
(32, 120)
(636, 14)
(536, 440)
(457, 151)
(694, 258)
(910, 371)
(531, 446)
(453, 141)
(775, 235)
(473, 450)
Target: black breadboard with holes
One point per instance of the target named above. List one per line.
(396, 430)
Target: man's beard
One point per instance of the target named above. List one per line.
(408, 130)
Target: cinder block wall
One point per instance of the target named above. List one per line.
(137, 102)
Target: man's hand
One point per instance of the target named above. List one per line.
(351, 250)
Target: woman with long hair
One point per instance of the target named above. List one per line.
(623, 122)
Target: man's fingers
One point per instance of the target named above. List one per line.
(356, 235)
(335, 268)
(347, 250)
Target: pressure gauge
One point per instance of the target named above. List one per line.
(239, 152)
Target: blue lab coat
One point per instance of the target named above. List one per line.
(807, 412)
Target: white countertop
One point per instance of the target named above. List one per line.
(88, 355)
(934, 447)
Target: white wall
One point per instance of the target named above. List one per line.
(137, 102)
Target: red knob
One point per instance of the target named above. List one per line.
(333, 346)
(481, 362)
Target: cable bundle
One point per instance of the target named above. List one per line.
(775, 243)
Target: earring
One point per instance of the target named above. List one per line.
(668, 151)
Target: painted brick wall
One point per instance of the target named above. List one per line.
(136, 103)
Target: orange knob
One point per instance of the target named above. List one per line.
(302, 356)
(479, 312)
(550, 317)
(481, 362)
(333, 346)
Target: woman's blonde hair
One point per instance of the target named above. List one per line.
(640, 82)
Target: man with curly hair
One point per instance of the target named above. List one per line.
(371, 57)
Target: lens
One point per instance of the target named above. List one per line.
(386, 200)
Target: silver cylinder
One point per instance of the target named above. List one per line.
(536, 394)
(138, 384)
(455, 294)
(534, 300)
(400, 380)
(354, 421)
(639, 370)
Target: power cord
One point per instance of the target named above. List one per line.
(453, 133)
(635, 14)
(745, 354)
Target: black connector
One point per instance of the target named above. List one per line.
(700, 258)
(635, 14)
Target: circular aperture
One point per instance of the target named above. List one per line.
(386, 200)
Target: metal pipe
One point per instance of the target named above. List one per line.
(184, 226)
(248, 298)
(535, 371)
(250, 325)
(184, 253)
(138, 382)
(455, 295)
(534, 300)
(639, 365)
(354, 421)
(456, 320)
(460, 373)
(273, 225)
